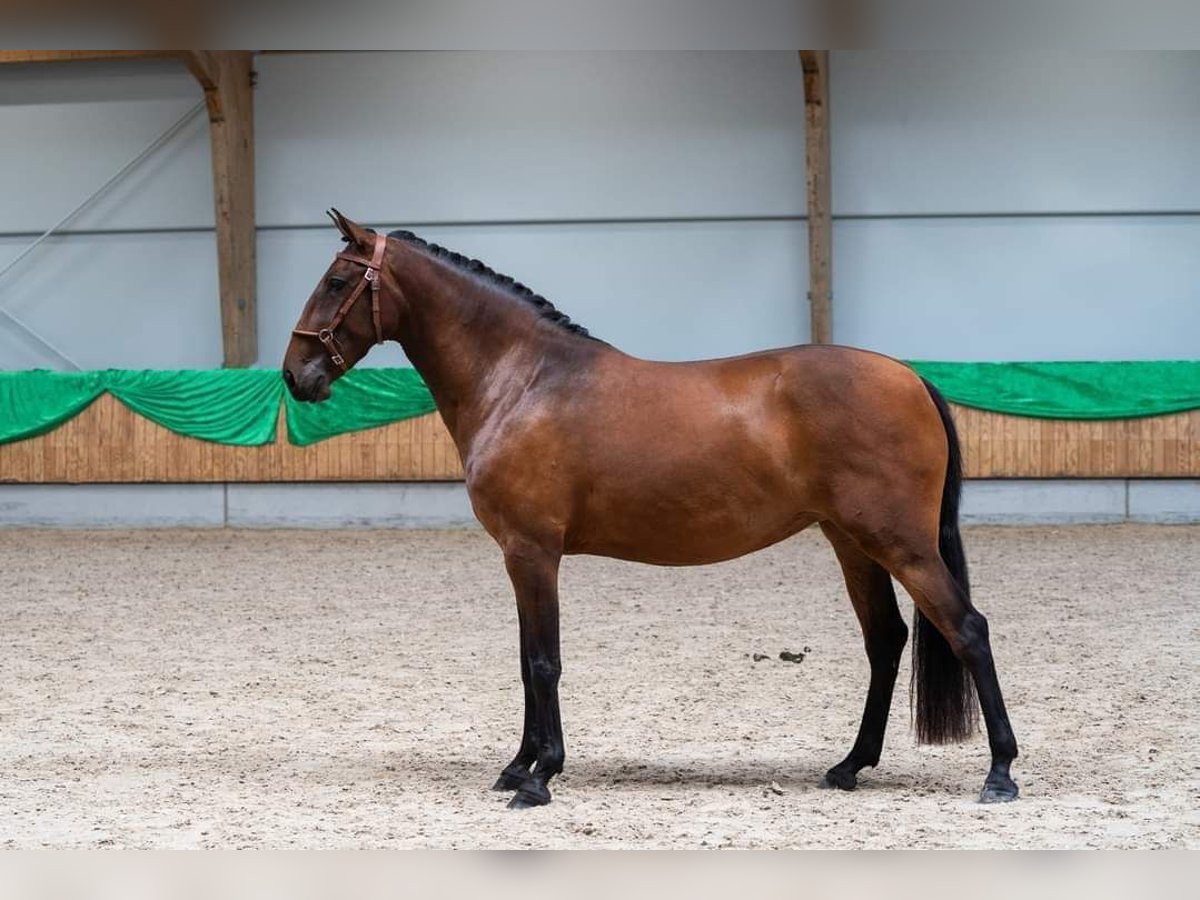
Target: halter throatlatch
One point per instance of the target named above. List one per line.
(371, 276)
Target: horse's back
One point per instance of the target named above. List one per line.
(809, 398)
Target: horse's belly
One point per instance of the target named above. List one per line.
(679, 524)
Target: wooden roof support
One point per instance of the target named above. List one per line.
(44, 56)
(206, 69)
(818, 183)
(226, 76)
(231, 126)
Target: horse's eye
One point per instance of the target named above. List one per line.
(335, 283)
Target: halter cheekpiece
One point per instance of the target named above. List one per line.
(371, 276)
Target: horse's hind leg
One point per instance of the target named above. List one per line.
(941, 601)
(885, 634)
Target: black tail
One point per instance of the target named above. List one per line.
(943, 694)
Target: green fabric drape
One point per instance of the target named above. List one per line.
(225, 406)
(363, 398)
(241, 406)
(32, 403)
(1070, 390)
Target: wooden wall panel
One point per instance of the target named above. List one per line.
(108, 443)
(997, 446)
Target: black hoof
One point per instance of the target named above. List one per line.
(530, 794)
(842, 779)
(999, 791)
(511, 779)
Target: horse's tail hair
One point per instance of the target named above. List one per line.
(943, 694)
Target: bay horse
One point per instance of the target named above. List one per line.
(571, 446)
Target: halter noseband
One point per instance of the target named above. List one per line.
(371, 277)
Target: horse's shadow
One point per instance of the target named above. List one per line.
(787, 774)
(583, 772)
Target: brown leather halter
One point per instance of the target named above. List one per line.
(370, 276)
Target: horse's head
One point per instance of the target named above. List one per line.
(342, 319)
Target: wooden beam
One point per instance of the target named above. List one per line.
(201, 63)
(205, 68)
(818, 183)
(50, 56)
(231, 115)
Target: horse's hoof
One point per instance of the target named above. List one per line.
(529, 795)
(510, 781)
(999, 792)
(842, 779)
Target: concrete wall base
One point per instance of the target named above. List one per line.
(445, 504)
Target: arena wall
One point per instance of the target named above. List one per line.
(986, 208)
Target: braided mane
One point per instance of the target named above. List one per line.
(544, 307)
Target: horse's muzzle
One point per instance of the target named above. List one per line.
(311, 387)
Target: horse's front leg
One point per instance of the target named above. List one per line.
(534, 574)
(517, 771)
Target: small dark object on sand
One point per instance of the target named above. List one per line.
(759, 657)
(789, 656)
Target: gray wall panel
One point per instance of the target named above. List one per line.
(445, 505)
(112, 506)
(484, 136)
(65, 129)
(117, 301)
(1014, 131)
(419, 137)
(1018, 289)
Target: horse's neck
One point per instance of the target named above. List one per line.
(471, 348)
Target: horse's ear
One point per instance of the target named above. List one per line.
(351, 231)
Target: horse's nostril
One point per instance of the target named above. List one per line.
(289, 379)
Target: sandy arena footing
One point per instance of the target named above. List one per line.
(361, 689)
